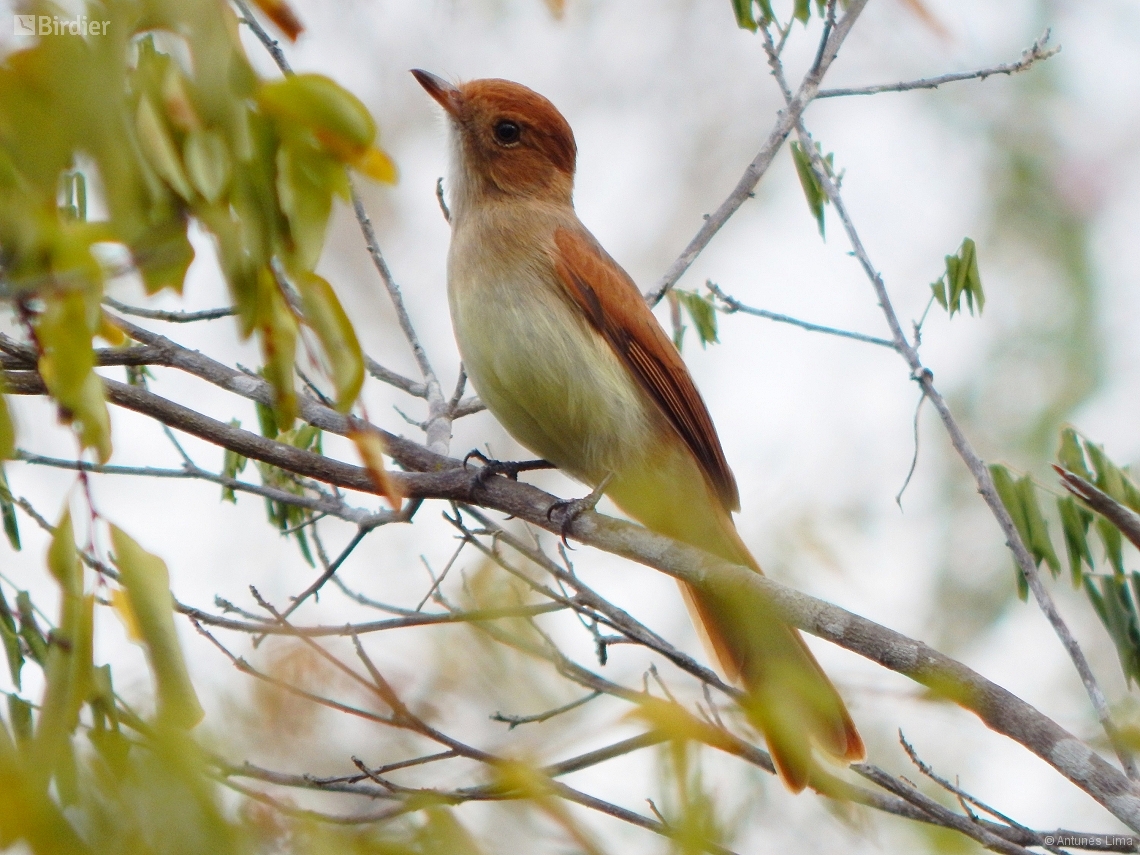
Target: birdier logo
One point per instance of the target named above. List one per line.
(53, 25)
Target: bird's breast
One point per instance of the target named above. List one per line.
(549, 378)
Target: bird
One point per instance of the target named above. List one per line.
(563, 350)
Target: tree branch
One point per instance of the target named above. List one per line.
(785, 122)
(1035, 53)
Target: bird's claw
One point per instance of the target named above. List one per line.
(509, 468)
(571, 509)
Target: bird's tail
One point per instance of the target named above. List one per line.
(788, 697)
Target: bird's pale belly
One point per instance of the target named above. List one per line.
(549, 378)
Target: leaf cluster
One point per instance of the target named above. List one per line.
(166, 117)
(1115, 595)
(961, 279)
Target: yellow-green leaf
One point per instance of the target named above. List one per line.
(207, 163)
(703, 313)
(7, 431)
(1010, 496)
(1075, 522)
(278, 333)
(159, 148)
(306, 180)
(68, 669)
(10, 635)
(163, 254)
(1071, 456)
(813, 190)
(338, 118)
(147, 582)
(1039, 543)
(327, 318)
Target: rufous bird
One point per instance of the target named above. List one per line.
(564, 351)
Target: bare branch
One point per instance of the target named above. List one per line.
(907, 791)
(173, 317)
(513, 721)
(785, 122)
(1035, 53)
(731, 305)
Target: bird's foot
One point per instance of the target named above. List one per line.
(509, 468)
(573, 508)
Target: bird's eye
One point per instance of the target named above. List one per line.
(507, 132)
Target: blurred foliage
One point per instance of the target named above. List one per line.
(114, 140)
(165, 120)
(751, 13)
(1115, 595)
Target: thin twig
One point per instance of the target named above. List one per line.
(513, 721)
(732, 305)
(1037, 52)
(267, 41)
(785, 122)
(174, 317)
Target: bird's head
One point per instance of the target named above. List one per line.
(507, 140)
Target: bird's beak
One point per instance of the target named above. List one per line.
(446, 94)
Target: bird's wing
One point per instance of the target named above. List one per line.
(616, 309)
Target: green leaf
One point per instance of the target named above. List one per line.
(266, 421)
(956, 279)
(163, 253)
(744, 17)
(30, 631)
(338, 118)
(68, 670)
(306, 181)
(1112, 542)
(1075, 522)
(1010, 494)
(974, 292)
(7, 431)
(1109, 476)
(20, 717)
(64, 330)
(703, 312)
(159, 148)
(207, 163)
(278, 336)
(1115, 606)
(1071, 456)
(10, 636)
(961, 279)
(802, 11)
(1039, 543)
(8, 512)
(326, 317)
(813, 190)
(232, 464)
(147, 582)
(939, 289)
